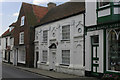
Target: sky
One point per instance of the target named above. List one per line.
(9, 10)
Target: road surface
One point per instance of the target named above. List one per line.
(10, 72)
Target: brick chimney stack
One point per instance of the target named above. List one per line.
(51, 5)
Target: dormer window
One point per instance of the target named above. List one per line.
(22, 20)
(11, 28)
(103, 3)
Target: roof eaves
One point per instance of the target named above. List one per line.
(81, 12)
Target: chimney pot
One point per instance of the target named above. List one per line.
(51, 5)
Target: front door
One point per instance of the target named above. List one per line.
(37, 57)
(9, 57)
(95, 58)
(53, 60)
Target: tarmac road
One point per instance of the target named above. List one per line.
(12, 73)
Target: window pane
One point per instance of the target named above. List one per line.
(66, 32)
(45, 36)
(66, 57)
(44, 55)
(114, 50)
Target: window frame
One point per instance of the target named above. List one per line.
(104, 5)
(45, 36)
(44, 56)
(65, 58)
(66, 38)
(108, 53)
(21, 38)
(22, 21)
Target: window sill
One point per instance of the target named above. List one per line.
(21, 25)
(43, 62)
(65, 40)
(36, 41)
(44, 42)
(65, 65)
(21, 44)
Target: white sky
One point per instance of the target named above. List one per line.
(9, 12)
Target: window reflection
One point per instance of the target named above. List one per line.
(114, 50)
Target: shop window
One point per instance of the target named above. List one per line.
(114, 50)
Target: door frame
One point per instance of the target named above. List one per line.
(96, 58)
(53, 52)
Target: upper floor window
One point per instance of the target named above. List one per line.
(21, 38)
(66, 32)
(22, 20)
(45, 36)
(103, 3)
(11, 41)
(11, 28)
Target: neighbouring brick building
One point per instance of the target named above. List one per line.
(29, 15)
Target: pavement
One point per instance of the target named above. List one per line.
(52, 74)
(9, 72)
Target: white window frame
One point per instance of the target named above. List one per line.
(21, 38)
(66, 57)
(65, 33)
(22, 20)
(44, 56)
(45, 36)
(102, 6)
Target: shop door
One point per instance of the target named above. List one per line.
(94, 50)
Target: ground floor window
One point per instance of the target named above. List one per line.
(44, 55)
(66, 57)
(113, 43)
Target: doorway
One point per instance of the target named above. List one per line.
(53, 60)
(94, 50)
(37, 58)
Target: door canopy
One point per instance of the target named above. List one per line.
(53, 46)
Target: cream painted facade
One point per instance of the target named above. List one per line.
(74, 45)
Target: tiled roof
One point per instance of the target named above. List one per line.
(13, 24)
(6, 33)
(39, 11)
(34, 13)
(62, 11)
